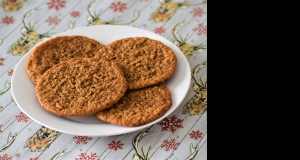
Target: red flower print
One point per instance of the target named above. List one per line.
(118, 6)
(159, 30)
(8, 20)
(53, 20)
(5, 157)
(198, 12)
(1, 107)
(1, 61)
(200, 29)
(21, 117)
(75, 14)
(56, 4)
(0, 128)
(168, 145)
(196, 135)
(84, 156)
(10, 72)
(115, 145)
(34, 158)
(82, 139)
(171, 124)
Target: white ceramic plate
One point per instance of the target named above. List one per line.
(23, 90)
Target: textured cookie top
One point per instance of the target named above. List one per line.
(81, 86)
(144, 61)
(59, 49)
(138, 107)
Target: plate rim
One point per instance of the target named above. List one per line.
(130, 129)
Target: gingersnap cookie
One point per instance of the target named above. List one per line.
(144, 61)
(138, 107)
(58, 49)
(81, 86)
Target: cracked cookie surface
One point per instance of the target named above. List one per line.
(58, 49)
(144, 61)
(81, 86)
(138, 107)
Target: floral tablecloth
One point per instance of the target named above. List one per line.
(181, 135)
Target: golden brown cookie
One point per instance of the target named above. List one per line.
(138, 107)
(144, 61)
(58, 49)
(81, 86)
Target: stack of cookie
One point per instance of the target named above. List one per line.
(121, 83)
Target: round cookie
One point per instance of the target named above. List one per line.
(144, 61)
(58, 49)
(81, 86)
(138, 107)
